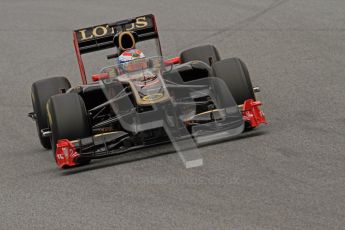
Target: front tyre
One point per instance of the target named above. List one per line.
(68, 118)
(235, 74)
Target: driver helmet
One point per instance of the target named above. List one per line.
(132, 60)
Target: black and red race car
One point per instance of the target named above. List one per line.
(188, 100)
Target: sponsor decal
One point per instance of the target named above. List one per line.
(105, 30)
(152, 97)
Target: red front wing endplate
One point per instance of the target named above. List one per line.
(252, 113)
(65, 154)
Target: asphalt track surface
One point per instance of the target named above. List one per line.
(287, 175)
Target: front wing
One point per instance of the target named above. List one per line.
(73, 152)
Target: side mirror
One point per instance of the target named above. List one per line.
(100, 76)
(111, 56)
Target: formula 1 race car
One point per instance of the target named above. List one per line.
(187, 100)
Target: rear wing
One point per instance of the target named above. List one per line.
(100, 37)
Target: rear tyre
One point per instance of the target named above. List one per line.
(68, 118)
(207, 53)
(41, 91)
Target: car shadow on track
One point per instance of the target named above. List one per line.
(148, 153)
